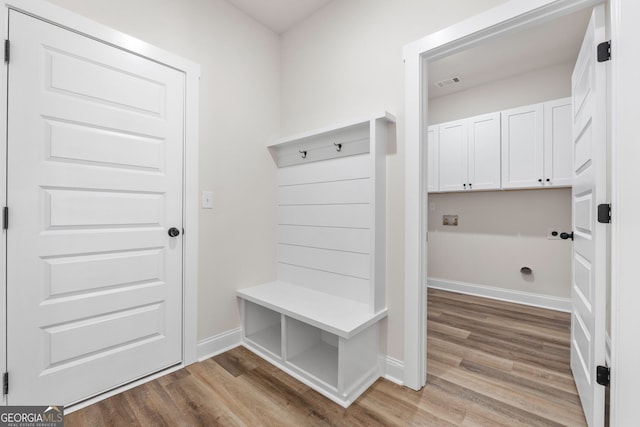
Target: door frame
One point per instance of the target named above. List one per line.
(84, 26)
(624, 92)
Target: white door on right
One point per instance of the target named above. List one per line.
(589, 247)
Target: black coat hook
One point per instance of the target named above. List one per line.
(304, 153)
(338, 147)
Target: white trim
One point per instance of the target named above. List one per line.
(191, 218)
(79, 24)
(415, 249)
(220, 343)
(392, 369)
(518, 297)
(625, 232)
(607, 349)
(512, 15)
(336, 127)
(4, 18)
(496, 21)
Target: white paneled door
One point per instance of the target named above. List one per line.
(589, 248)
(95, 143)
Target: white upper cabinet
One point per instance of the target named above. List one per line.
(536, 145)
(453, 156)
(433, 159)
(522, 147)
(468, 153)
(557, 143)
(484, 152)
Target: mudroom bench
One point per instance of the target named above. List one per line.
(319, 321)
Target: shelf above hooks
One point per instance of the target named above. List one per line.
(348, 139)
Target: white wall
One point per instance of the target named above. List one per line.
(344, 62)
(239, 98)
(535, 86)
(500, 232)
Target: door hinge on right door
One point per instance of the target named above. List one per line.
(5, 383)
(7, 51)
(604, 51)
(603, 375)
(604, 213)
(5, 218)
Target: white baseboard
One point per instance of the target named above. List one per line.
(220, 343)
(392, 369)
(526, 298)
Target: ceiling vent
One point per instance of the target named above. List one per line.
(448, 82)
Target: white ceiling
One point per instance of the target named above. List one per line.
(279, 15)
(555, 42)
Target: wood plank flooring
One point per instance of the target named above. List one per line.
(490, 363)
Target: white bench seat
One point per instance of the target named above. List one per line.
(339, 316)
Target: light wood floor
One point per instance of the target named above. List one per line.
(490, 363)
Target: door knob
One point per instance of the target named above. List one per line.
(174, 232)
(565, 236)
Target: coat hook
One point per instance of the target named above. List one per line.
(338, 147)
(304, 153)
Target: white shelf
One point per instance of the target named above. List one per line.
(270, 339)
(319, 361)
(340, 316)
(331, 129)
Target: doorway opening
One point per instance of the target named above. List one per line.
(449, 44)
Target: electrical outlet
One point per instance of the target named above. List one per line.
(553, 233)
(207, 200)
(451, 220)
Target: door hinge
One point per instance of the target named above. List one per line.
(603, 375)
(604, 51)
(604, 213)
(5, 383)
(7, 51)
(5, 218)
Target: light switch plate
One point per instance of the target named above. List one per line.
(207, 200)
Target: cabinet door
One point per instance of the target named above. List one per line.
(432, 159)
(484, 152)
(453, 156)
(557, 143)
(522, 147)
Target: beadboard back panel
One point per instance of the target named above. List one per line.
(324, 230)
